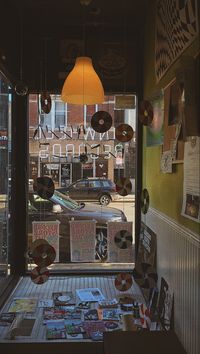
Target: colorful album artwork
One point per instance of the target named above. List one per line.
(23, 305)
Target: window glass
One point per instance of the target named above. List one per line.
(94, 184)
(5, 179)
(64, 147)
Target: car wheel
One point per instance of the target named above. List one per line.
(104, 199)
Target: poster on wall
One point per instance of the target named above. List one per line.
(147, 246)
(165, 305)
(119, 242)
(179, 18)
(48, 230)
(155, 130)
(82, 240)
(191, 180)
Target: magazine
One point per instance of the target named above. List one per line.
(6, 318)
(63, 298)
(23, 305)
(90, 294)
(55, 329)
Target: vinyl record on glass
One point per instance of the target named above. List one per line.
(43, 255)
(145, 276)
(83, 158)
(101, 121)
(44, 186)
(123, 281)
(123, 239)
(123, 186)
(144, 201)
(39, 275)
(124, 132)
(145, 112)
(45, 102)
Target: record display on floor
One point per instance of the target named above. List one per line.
(44, 186)
(45, 102)
(124, 132)
(123, 239)
(145, 276)
(39, 275)
(123, 281)
(145, 112)
(101, 121)
(144, 201)
(43, 255)
(123, 186)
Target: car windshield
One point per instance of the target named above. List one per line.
(65, 201)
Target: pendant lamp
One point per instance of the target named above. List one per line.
(82, 85)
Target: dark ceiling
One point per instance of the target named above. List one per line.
(46, 35)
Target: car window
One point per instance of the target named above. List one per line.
(106, 183)
(65, 201)
(80, 185)
(94, 184)
(40, 204)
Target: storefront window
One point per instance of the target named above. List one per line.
(5, 175)
(64, 147)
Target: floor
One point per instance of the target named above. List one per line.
(26, 288)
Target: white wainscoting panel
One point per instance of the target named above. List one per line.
(178, 261)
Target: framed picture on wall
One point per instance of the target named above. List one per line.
(155, 130)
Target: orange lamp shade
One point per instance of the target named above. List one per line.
(82, 85)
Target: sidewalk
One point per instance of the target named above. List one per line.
(128, 198)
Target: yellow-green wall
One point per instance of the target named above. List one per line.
(165, 190)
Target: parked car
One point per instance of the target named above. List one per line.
(62, 208)
(91, 189)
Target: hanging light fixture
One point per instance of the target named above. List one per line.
(82, 85)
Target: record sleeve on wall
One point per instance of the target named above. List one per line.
(120, 246)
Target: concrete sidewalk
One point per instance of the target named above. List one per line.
(128, 198)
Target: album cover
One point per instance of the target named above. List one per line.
(63, 298)
(94, 329)
(53, 313)
(90, 294)
(91, 314)
(73, 326)
(6, 318)
(108, 314)
(23, 305)
(55, 329)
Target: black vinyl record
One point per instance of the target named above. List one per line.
(145, 276)
(124, 132)
(123, 239)
(144, 201)
(123, 186)
(39, 275)
(83, 158)
(145, 112)
(45, 101)
(43, 255)
(44, 186)
(101, 121)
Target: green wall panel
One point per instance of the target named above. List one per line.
(166, 190)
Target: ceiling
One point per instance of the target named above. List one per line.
(47, 35)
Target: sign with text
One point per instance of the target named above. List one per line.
(119, 242)
(82, 240)
(48, 230)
